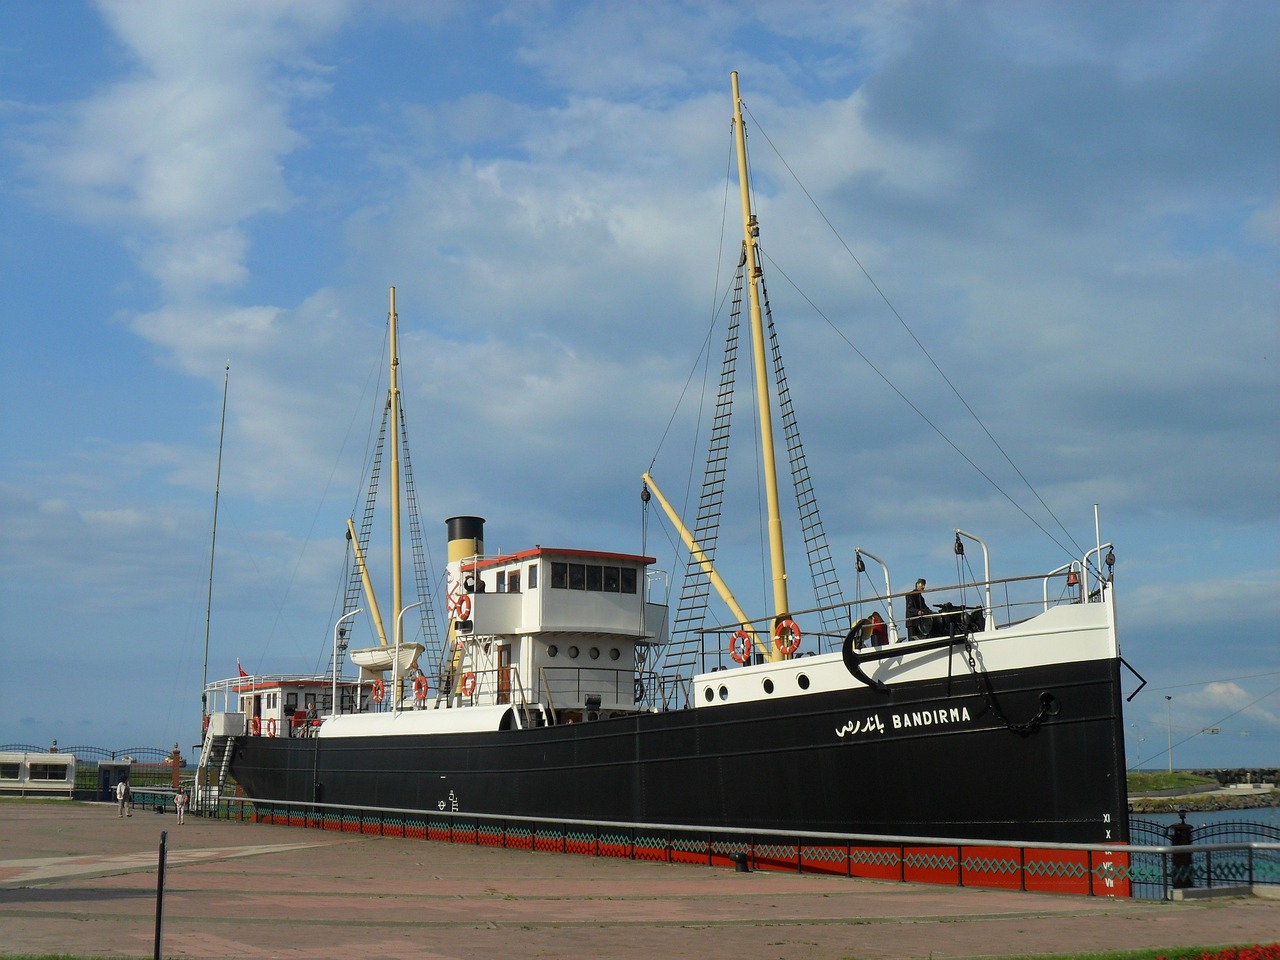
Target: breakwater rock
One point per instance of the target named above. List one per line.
(1203, 802)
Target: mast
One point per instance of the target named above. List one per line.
(755, 276)
(213, 541)
(397, 598)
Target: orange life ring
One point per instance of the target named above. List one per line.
(468, 685)
(379, 691)
(740, 646)
(255, 726)
(462, 609)
(271, 726)
(420, 688)
(787, 627)
(204, 722)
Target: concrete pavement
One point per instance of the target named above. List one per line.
(76, 879)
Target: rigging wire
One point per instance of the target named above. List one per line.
(911, 333)
(924, 416)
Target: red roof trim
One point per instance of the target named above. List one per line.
(558, 553)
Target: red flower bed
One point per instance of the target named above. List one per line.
(1270, 951)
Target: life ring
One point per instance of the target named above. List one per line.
(420, 688)
(462, 609)
(740, 646)
(787, 627)
(255, 726)
(204, 723)
(271, 727)
(468, 685)
(379, 691)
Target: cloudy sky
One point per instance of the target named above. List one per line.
(1072, 206)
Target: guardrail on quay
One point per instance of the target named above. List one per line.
(1161, 871)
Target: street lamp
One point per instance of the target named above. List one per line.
(1168, 714)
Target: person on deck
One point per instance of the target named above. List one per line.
(919, 613)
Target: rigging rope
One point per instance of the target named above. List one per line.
(911, 333)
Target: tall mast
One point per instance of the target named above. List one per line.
(213, 542)
(755, 276)
(397, 600)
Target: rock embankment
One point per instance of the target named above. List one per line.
(1203, 802)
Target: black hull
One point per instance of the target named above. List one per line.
(952, 764)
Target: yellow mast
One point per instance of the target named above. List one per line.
(397, 598)
(750, 231)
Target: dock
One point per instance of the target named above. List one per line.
(76, 879)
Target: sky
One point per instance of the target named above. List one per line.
(1068, 209)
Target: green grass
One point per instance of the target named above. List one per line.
(1143, 782)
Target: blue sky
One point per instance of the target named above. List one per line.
(1072, 205)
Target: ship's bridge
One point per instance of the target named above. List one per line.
(575, 624)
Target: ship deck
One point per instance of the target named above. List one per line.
(76, 879)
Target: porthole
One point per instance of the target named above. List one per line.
(768, 685)
(595, 653)
(573, 653)
(614, 653)
(803, 680)
(709, 695)
(724, 692)
(552, 650)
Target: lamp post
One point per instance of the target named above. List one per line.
(1168, 714)
(1137, 733)
(333, 704)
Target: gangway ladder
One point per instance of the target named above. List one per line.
(215, 749)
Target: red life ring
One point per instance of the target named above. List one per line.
(740, 646)
(468, 685)
(787, 627)
(255, 726)
(462, 609)
(379, 691)
(271, 727)
(420, 688)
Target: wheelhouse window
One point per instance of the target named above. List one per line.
(10, 771)
(589, 576)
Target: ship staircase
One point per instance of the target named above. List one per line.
(211, 771)
(422, 567)
(682, 656)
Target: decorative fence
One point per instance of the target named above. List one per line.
(1228, 853)
(1089, 870)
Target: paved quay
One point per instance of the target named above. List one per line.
(76, 879)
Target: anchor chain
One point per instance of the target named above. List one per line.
(984, 687)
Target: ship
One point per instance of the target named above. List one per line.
(563, 688)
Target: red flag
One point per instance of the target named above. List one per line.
(240, 668)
